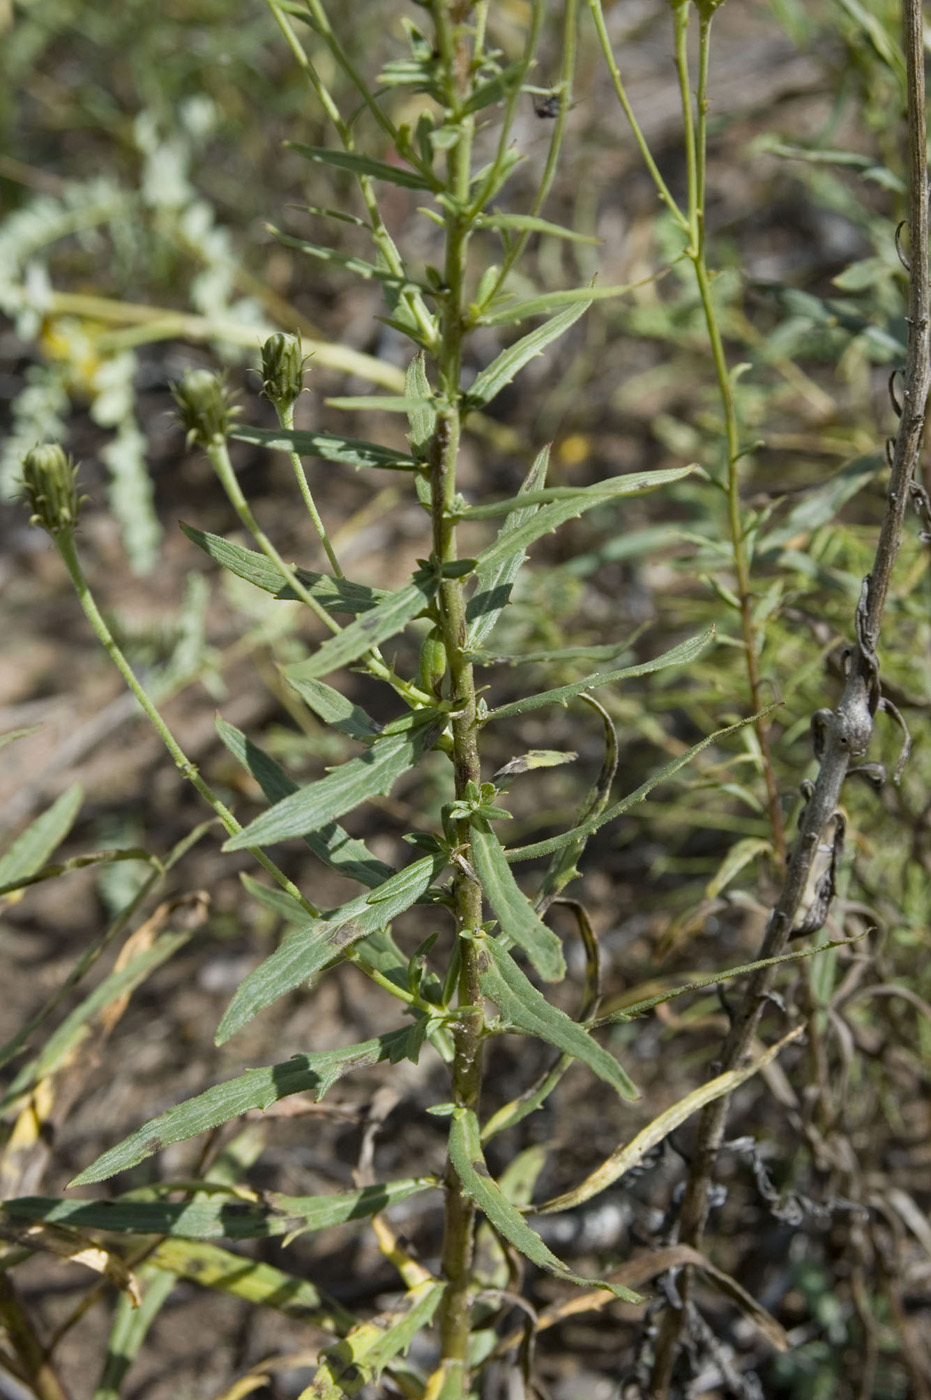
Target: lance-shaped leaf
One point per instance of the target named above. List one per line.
(374, 772)
(337, 595)
(531, 223)
(511, 361)
(609, 814)
(31, 850)
(255, 1089)
(679, 655)
(633, 1152)
(511, 906)
(309, 949)
(505, 311)
(385, 620)
(330, 843)
(495, 580)
(209, 1266)
(349, 1366)
(567, 507)
(349, 452)
(421, 413)
(333, 708)
(525, 1009)
(465, 1153)
(363, 165)
(227, 1217)
(348, 261)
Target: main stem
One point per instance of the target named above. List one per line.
(468, 1033)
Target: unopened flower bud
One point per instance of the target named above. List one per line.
(50, 484)
(283, 362)
(205, 406)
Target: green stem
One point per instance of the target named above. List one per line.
(696, 146)
(286, 419)
(65, 541)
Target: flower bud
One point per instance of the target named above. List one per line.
(205, 406)
(283, 364)
(50, 484)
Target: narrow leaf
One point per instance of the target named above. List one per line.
(375, 772)
(512, 360)
(421, 414)
(555, 843)
(679, 655)
(465, 1153)
(255, 1089)
(512, 909)
(494, 581)
(263, 1285)
(309, 949)
(349, 452)
(378, 403)
(525, 1009)
(32, 848)
(385, 620)
(504, 313)
(337, 595)
(228, 1217)
(357, 266)
(362, 165)
(739, 855)
(330, 843)
(356, 1363)
(633, 1152)
(130, 1328)
(530, 223)
(550, 517)
(333, 708)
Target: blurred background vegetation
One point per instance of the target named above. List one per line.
(144, 160)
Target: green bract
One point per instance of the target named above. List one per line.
(50, 485)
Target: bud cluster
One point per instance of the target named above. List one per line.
(205, 406)
(283, 364)
(50, 485)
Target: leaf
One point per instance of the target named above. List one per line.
(11, 735)
(51, 872)
(357, 1361)
(229, 1217)
(330, 843)
(130, 1328)
(611, 652)
(555, 843)
(494, 581)
(511, 361)
(32, 848)
(348, 452)
(535, 758)
(358, 266)
(333, 708)
(550, 517)
(255, 1089)
(362, 165)
(376, 771)
(263, 1285)
(633, 1152)
(378, 403)
(739, 855)
(421, 414)
(530, 223)
(385, 620)
(308, 949)
(679, 655)
(507, 312)
(525, 1009)
(514, 912)
(335, 594)
(819, 507)
(465, 1153)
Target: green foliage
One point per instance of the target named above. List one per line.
(757, 582)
